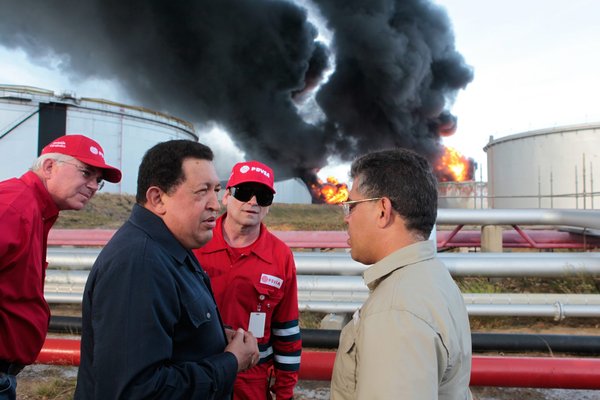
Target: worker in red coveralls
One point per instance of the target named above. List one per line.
(70, 170)
(254, 280)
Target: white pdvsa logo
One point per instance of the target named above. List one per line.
(94, 150)
(261, 171)
(246, 168)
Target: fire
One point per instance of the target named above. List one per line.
(331, 192)
(453, 166)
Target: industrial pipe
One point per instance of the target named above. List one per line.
(481, 342)
(534, 216)
(65, 324)
(557, 311)
(548, 265)
(513, 342)
(536, 372)
(338, 239)
(445, 216)
(517, 238)
(533, 372)
(60, 352)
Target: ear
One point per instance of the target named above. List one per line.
(225, 197)
(386, 213)
(154, 200)
(48, 166)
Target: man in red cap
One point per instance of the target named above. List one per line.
(70, 170)
(253, 276)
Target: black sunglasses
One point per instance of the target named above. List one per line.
(264, 197)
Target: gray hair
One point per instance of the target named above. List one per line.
(59, 157)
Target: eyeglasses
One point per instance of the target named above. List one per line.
(88, 175)
(348, 206)
(264, 197)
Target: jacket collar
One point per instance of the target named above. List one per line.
(411, 254)
(155, 227)
(261, 246)
(48, 207)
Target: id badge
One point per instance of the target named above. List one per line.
(257, 324)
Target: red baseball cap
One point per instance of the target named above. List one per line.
(251, 171)
(85, 150)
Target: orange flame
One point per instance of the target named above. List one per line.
(331, 192)
(453, 166)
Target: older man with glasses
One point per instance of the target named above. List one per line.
(253, 276)
(70, 170)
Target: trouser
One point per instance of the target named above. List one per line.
(251, 388)
(8, 386)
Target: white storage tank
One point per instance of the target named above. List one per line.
(30, 118)
(548, 168)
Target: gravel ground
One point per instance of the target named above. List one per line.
(35, 375)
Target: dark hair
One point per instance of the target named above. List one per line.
(161, 165)
(406, 179)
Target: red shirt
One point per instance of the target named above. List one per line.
(27, 213)
(258, 278)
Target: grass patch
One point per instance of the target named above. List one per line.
(56, 388)
(105, 210)
(567, 285)
(305, 217)
(110, 211)
(311, 319)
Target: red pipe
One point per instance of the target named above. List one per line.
(60, 352)
(538, 372)
(449, 237)
(531, 372)
(316, 365)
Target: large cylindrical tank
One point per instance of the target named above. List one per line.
(467, 194)
(548, 168)
(30, 118)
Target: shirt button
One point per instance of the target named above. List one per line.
(207, 315)
(261, 297)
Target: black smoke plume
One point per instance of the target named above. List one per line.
(248, 65)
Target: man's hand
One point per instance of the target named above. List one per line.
(245, 349)
(229, 334)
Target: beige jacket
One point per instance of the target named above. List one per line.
(411, 338)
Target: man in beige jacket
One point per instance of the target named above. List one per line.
(411, 338)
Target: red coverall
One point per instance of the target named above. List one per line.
(27, 213)
(260, 278)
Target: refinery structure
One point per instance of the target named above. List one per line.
(557, 167)
(551, 168)
(31, 117)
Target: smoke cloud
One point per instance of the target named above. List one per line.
(387, 78)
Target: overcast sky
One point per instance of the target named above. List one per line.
(536, 62)
(536, 65)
